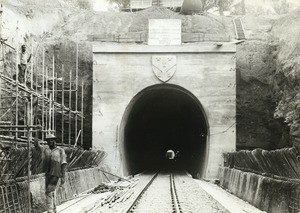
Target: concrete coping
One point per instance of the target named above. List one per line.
(203, 47)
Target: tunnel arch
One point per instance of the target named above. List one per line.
(162, 117)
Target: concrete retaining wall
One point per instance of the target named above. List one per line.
(76, 182)
(268, 194)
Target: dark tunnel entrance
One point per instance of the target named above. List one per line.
(163, 117)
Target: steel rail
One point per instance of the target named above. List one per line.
(175, 203)
(174, 195)
(130, 209)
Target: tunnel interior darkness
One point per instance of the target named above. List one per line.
(164, 117)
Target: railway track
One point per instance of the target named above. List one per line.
(162, 192)
(159, 195)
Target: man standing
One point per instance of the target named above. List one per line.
(54, 166)
(24, 59)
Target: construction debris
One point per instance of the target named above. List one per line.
(120, 191)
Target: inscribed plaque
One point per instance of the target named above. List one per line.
(164, 32)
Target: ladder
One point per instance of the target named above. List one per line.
(239, 29)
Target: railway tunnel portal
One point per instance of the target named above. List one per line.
(160, 118)
(148, 99)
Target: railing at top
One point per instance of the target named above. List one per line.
(142, 37)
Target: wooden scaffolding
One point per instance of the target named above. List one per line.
(44, 98)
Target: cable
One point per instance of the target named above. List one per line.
(217, 133)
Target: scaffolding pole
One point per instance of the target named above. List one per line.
(53, 85)
(81, 113)
(50, 112)
(12, 116)
(3, 66)
(31, 112)
(17, 89)
(31, 68)
(43, 91)
(28, 169)
(36, 75)
(62, 104)
(1, 11)
(46, 93)
(76, 93)
(2, 55)
(0, 93)
(31, 86)
(55, 100)
(70, 106)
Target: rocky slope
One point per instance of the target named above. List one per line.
(268, 86)
(256, 102)
(267, 62)
(287, 76)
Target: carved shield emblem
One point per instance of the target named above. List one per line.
(164, 66)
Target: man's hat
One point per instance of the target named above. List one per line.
(50, 136)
